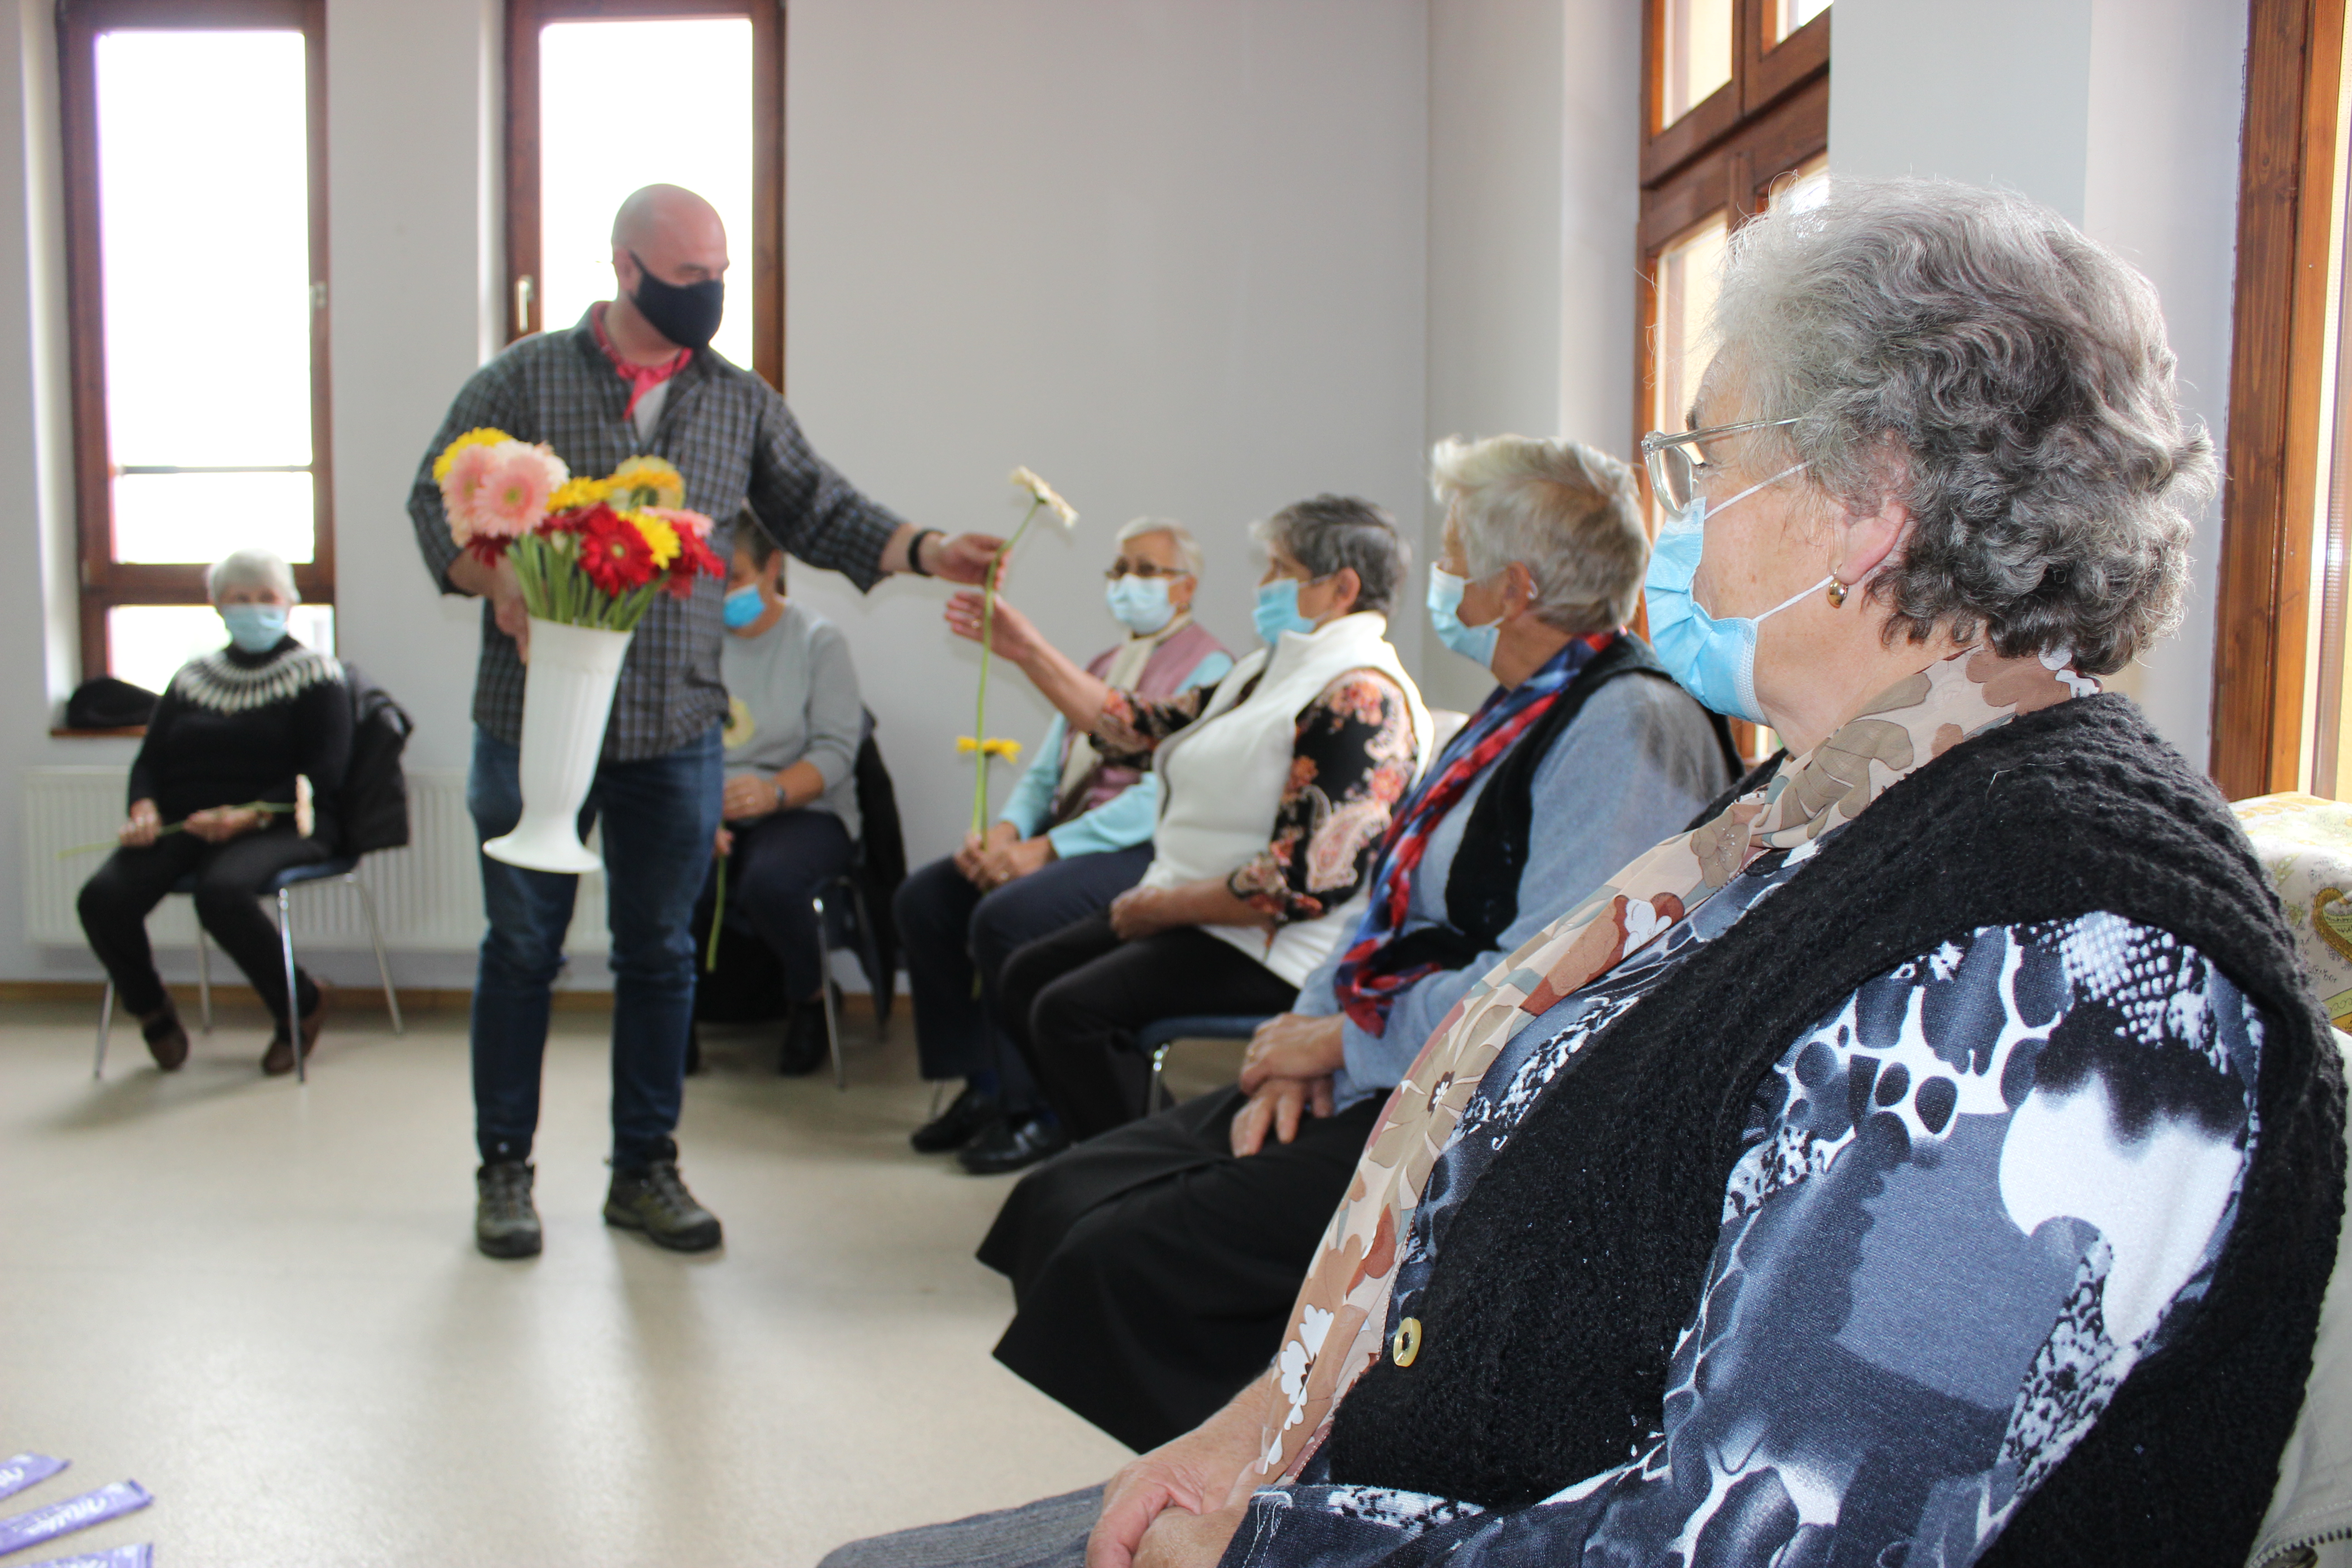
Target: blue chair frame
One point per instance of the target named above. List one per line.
(1155, 1037)
(343, 868)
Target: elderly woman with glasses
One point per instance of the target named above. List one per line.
(1934, 1155)
(1276, 786)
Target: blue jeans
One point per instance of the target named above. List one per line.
(660, 819)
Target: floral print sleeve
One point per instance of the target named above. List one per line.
(1350, 762)
(1132, 726)
(1973, 1199)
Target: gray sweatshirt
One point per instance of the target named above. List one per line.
(793, 697)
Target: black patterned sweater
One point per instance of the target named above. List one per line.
(1974, 1196)
(235, 726)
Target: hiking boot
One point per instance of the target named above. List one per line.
(656, 1201)
(505, 1223)
(167, 1042)
(279, 1059)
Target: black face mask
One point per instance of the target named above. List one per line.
(685, 313)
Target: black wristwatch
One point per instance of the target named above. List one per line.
(915, 551)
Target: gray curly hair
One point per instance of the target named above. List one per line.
(1570, 514)
(2021, 372)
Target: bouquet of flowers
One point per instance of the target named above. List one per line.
(588, 553)
(1043, 497)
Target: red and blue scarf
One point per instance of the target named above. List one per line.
(1364, 990)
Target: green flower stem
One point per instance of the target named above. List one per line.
(988, 648)
(266, 807)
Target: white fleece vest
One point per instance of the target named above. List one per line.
(1223, 776)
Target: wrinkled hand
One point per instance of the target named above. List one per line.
(141, 828)
(722, 843)
(219, 824)
(1140, 912)
(971, 854)
(1178, 1539)
(1195, 1475)
(748, 796)
(963, 558)
(1009, 862)
(1291, 1046)
(1279, 1103)
(506, 603)
(1012, 635)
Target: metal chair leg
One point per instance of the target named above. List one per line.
(293, 1002)
(383, 970)
(825, 990)
(105, 1026)
(204, 978)
(873, 960)
(1151, 1096)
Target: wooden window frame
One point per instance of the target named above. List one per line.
(2264, 620)
(1769, 121)
(524, 19)
(108, 583)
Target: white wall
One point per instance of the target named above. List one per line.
(1533, 198)
(2125, 116)
(1168, 253)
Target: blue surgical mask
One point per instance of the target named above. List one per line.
(1276, 611)
(741, 608)
(1141, 604)
(1714, 660)
(1475, 643)
(255, 628)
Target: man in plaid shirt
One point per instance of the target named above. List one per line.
(635, 375)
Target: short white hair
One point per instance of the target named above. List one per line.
(1571, 515)
(1188, 549)
(251, 568)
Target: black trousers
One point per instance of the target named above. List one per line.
(953, 933)
(117, 900)
(782, 861)
(1154, 1272)
(1074, 1001)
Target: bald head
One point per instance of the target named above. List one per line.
(672, 233)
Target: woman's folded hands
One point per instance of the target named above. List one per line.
(1179, 1505)
(1287, 1072)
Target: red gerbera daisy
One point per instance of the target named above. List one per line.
(615, 555)
(694, 559)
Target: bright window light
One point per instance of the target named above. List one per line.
(594, 149)
(147, 643)
(204, 213)
(1794, 13)
(1698, 55)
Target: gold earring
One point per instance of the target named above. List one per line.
(1837, 595)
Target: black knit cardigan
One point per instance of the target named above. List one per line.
(1560, 1285)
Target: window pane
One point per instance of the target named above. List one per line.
(204, 214)
(1687, 274)
(594, 150)
(146, 643)
(1790, 14)
(202, 517)
(1697, 54)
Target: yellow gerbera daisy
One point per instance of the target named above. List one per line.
(484, 437)
(654, 480)
(574, 493)
(659, 537)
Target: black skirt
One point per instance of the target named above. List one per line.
(1154, 1272)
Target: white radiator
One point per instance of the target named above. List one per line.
(428, 895)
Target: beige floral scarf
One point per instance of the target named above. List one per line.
(1336, 1328)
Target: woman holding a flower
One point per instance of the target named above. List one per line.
(213, 793)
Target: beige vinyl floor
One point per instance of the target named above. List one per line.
(263, 1303)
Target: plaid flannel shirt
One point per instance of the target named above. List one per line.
(734, 441)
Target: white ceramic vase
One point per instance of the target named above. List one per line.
(567, 695)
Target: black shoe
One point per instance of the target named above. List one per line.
(966, 1115)
(656, 1201)
(807, 1045)
(505, 1223)
(1012, 1145)
(167, 1042)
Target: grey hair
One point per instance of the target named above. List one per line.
(1571, 515)
(1327, 534)
(2007, 379)
(251, 568)
(1188, 549)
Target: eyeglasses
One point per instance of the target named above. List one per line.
(1675, 471)
(1144, 569)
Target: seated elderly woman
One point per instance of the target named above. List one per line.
(213, 793)
(1154, 1266)
(1936, 1156)
(1275, 788)
(790, 823)
(1076, 833)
